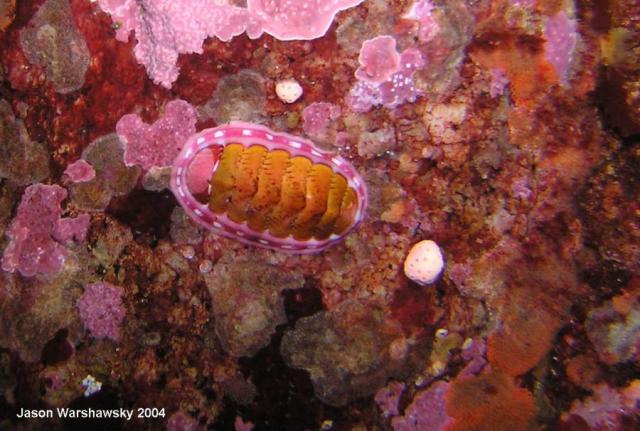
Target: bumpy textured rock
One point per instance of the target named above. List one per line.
(183, 229)
(34, 309)
(21, 160)
(52, 41)
(620, 92)
(350, 351)
(238, 97)
(444, 33)
(611, 204)
(614, 329)
(112, 177)
(247, 303)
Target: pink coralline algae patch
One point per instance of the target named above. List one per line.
(394, 91)
(317, 117)
(157, 144)
(606, 408)
(378, 60)
(166, 28)
(38, 233)
(71, 229)
(499, 82)
(473, 352)
(561, 40)
(298, 19)
(80, 171)
(101, 310)
(426, 412)
(388, 398)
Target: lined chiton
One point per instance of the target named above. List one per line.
(274, 190)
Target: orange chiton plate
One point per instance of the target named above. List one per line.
(268, 189)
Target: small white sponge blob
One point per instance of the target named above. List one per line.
(424, 263)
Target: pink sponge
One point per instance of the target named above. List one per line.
(101, 310)
(38, 233)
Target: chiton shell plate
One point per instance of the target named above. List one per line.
(268, 189)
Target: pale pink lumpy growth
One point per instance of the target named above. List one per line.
(396, 90)
(157, 144)
(38, 234)
(298, 19)
(102, 310)
(80, 171)
(71, 228)
(318, 116)
(378, 59)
